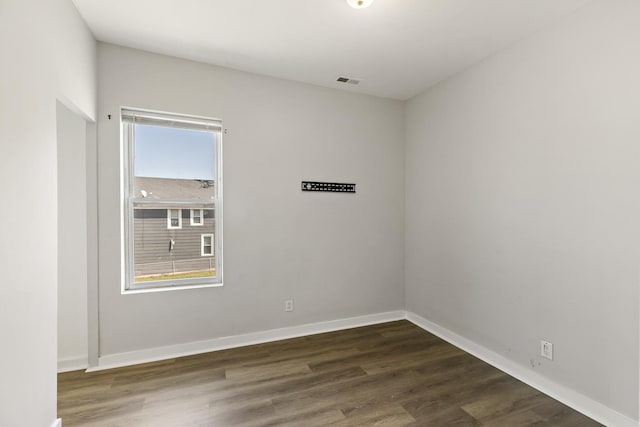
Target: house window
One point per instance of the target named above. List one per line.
(206, 244)
(196, 216)
(174, 219)
(172, 170)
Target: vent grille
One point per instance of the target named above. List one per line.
(348, 80)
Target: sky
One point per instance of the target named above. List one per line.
(164, 152)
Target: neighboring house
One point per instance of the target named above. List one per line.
(173, 237)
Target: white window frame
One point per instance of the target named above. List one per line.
(128, 117)
(211, 245)
(171, 227)
(201, 217)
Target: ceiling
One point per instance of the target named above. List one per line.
(398, 48)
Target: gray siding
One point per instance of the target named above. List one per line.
(153, 252)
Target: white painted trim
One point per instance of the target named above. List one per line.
(191, 216)
(170, 288)
(169, 226)
(57, 423)
(564, 394)
(212, 244)
(187, 349)
(77, 364)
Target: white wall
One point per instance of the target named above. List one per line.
(337, 255)
(75, 58)
(522, 202)
(30, 81)
(72, 240)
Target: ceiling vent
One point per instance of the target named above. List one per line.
(348, 80)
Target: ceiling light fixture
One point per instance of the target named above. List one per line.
(359, 4)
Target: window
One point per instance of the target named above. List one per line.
(196, 216)
(174, 219)
(207, 244)
(172, 169)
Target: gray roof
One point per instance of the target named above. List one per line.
(173, 189)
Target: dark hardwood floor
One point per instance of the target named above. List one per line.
(393, 374)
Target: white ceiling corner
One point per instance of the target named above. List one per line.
(397, 47)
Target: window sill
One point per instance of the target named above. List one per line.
(170, 288)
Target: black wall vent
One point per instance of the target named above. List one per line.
(348, 80)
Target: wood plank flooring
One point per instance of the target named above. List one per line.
(393, 374)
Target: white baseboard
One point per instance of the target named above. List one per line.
(57, 423)
(566, 395)
(77, 364)
(581, 403)
(161, 353)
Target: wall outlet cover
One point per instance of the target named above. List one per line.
(546, 349)
(288, 305)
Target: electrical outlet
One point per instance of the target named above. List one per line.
(288, 305)
(546, 349)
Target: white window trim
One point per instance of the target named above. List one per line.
(169, 226)
(212, 245)
(128, 285)
(201, 217)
